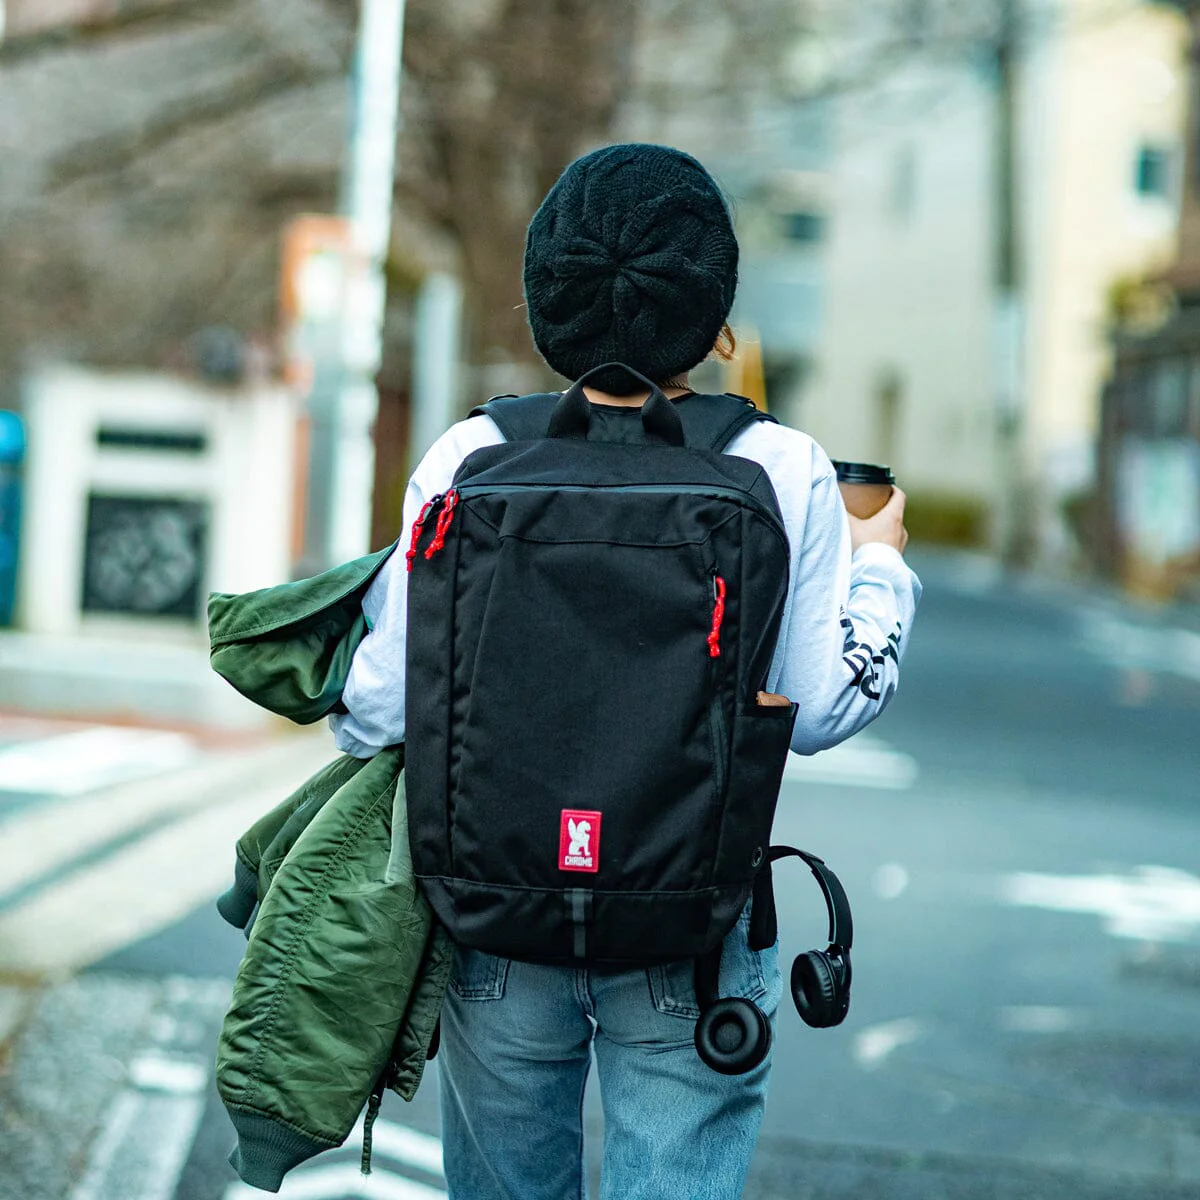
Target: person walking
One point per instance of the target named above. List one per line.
(631, 259)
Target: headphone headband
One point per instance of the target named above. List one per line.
(841, 924)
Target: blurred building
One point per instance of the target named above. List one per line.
(969, 274)
(1147, 527)
(762, 127)
(781, 211)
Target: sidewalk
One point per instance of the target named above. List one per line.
(127, 771)
(122, 680)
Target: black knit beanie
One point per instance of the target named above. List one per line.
(631, 258)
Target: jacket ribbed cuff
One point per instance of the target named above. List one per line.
(267, 1149)
(236, 904)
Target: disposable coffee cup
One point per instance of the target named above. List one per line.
(865, 487)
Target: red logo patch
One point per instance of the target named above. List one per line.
(579, 841)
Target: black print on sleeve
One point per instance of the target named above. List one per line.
(865, 662)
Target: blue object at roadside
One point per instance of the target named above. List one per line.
(12, 454)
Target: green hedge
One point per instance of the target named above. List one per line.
(946, 519)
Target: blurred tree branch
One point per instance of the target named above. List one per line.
(126, 19)
(119, 151)
(139, 201)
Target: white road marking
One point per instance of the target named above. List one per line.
(1039, 1018)
(338, 1181)
(405, 1146)
(890, 881)
(122, 1117)
(1142, 647)
(875, 1043)
(70, 764)
(158, 1072)
(1151, 903)
(143, 1145)
(146, 886)
(861, 761)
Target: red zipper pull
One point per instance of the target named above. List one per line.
(416, 530)
(443, 523)
(714, 638)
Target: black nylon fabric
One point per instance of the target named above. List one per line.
(560, 662)
(710, 422)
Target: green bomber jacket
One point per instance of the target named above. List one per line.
(341, 985)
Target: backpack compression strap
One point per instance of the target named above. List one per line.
(711, 422)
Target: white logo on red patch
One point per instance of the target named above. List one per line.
(579, 841)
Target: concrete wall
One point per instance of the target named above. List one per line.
(906, 307)
(241, 476)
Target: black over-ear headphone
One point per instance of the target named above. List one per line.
(733, 1035)
(821, 978)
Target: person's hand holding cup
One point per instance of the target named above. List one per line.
(874, 505)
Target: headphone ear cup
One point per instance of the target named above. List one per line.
(821, 989)
(733, 1036)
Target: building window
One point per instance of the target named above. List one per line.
(805, 227)
(902, 186)
(914, 20)
(1152, 172)
(889, 403)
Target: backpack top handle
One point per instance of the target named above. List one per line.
(572, 415)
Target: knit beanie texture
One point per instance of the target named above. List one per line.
(630, 258)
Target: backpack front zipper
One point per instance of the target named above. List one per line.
(419, 525)
(448, 502)
(715, 491)
(716, 713)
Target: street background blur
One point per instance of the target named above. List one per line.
(256, 255)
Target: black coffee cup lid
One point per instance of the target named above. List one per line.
(851, 472)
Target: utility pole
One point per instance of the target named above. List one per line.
(1013, 534)
(437, 322)
(344, 400)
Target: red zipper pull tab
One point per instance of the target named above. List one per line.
(416, 530)
(443, 523)
(714, 638)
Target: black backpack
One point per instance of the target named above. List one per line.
(593, 608)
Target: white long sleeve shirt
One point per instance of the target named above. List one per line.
(846, 619)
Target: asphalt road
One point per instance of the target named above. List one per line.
(1019, 839)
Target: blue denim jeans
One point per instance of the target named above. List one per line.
(517, 1044)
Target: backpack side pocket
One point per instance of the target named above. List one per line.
(762, 735)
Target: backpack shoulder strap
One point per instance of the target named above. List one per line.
(712, 422)
(520, 418)
(709, 422)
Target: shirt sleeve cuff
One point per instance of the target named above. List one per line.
(879, 554)
(346, 742)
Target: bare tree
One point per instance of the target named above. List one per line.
(154, 148)
(499, 96)
(152, 151)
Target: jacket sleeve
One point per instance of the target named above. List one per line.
(847, 619)
(374, 691)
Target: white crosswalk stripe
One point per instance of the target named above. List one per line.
(51, 833)
(1133, 646)
(85, 873)
(397, 1152)
(342, 1182)
(84, 760)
